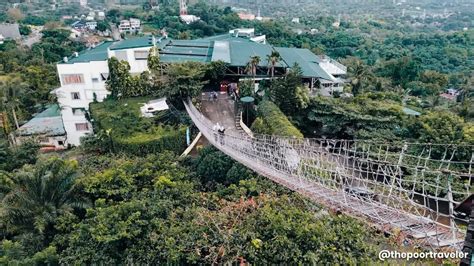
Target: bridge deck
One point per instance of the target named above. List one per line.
(419, 230)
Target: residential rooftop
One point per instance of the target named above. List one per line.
(48, 122)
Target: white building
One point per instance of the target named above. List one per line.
(83, 76)
(129, 26)
(91, 25)
(248, 33)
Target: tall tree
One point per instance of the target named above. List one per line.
(118, 75)
(252, 66)
(39, 195)
(10, 91)
(273, 59)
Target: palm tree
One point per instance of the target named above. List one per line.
(39, 195)
(252, 66)
(9, 95)
(359, 74)
(273, 59)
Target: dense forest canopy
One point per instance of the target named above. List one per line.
(125, 197)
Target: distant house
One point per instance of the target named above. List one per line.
(82, 26)
(2, 39)
(246, 16)
(10, 31)
(91, 25)
(78, 25)
(45, 128)
(450, 94)
(130, 26)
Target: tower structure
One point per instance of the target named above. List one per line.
(183, 8)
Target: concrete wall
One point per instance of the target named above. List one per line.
(136, 66)
(46, 141)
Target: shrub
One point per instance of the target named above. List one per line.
(270, 120)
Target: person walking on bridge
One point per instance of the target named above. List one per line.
(216, 128)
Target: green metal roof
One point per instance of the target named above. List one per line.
(184, 50)
(145, 41)
(305, 59)
(233, 50)
(241, 52)
(48, 122)
(99, 53)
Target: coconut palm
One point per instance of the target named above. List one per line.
(252, 66)
(273, 59)
(39, 195)
(10, 90)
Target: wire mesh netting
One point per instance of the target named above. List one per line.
(410, 186)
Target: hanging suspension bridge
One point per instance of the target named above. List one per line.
(409, 188)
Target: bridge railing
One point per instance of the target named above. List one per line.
(375, 171)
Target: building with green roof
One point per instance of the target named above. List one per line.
(83, 76)
(46, 128)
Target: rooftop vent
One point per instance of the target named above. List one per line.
(76, 54)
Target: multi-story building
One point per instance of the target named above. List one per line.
(130, 26)
(83, 76)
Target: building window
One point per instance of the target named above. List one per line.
(43, 139)
(60, 143)
(82, 127)
(75, 96)
(72, 79)
(121, 55)
(95, 80)
(78, 111)
(141, 55)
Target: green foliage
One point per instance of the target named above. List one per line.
(13, 253)
(213, 166)
(184, 80)
(350, 118)
(25, 30)
(123, 129)
(270, 120)
(119, 77)
(38, 195)
(55, 45)
(288, 93)
(153, 60)
(14, 158)
(441, 127)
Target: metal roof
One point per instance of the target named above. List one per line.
(221, 51)
(308, 62)
(99, 53)
(241, 52)
(145, 41)
(10, 31)
(48, 122)
(233, 50)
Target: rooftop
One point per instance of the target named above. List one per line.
(99, 53)
(10, 31)
(236, 51)
(48, 122)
